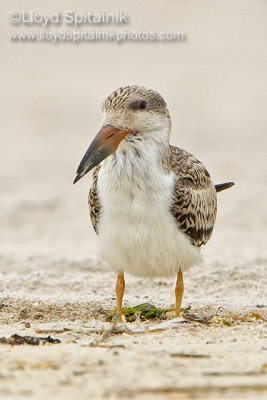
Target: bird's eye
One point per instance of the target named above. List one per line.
(142, 105)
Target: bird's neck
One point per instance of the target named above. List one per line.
(135, 174)
(139, 155)
(137, 168)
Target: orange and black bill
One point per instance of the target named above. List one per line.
(105, 143)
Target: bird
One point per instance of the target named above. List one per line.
(152, 205)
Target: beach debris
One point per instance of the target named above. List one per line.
(188, 355)
(53, 330)
(196, 318)
(2, 305)
(258, 316)
(32, 340)
(235, 373)
(220, 316)
(120, 328)
(103, 345)
(208, 315)
(197, 390)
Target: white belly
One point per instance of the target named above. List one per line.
(137, 233)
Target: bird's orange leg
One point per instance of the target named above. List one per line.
(119, 290)
(179, 291)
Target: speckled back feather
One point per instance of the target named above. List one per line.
(194, 204)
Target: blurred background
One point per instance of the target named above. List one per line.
(214, 83)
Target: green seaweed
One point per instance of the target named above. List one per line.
(145, 311)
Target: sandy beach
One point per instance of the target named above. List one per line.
(50, 280)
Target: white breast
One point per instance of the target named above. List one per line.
(137, 233)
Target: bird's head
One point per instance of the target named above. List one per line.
(131, 114)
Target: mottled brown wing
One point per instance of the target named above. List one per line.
(194, 204)
(93, 201)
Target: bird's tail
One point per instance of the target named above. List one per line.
(222, 186)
